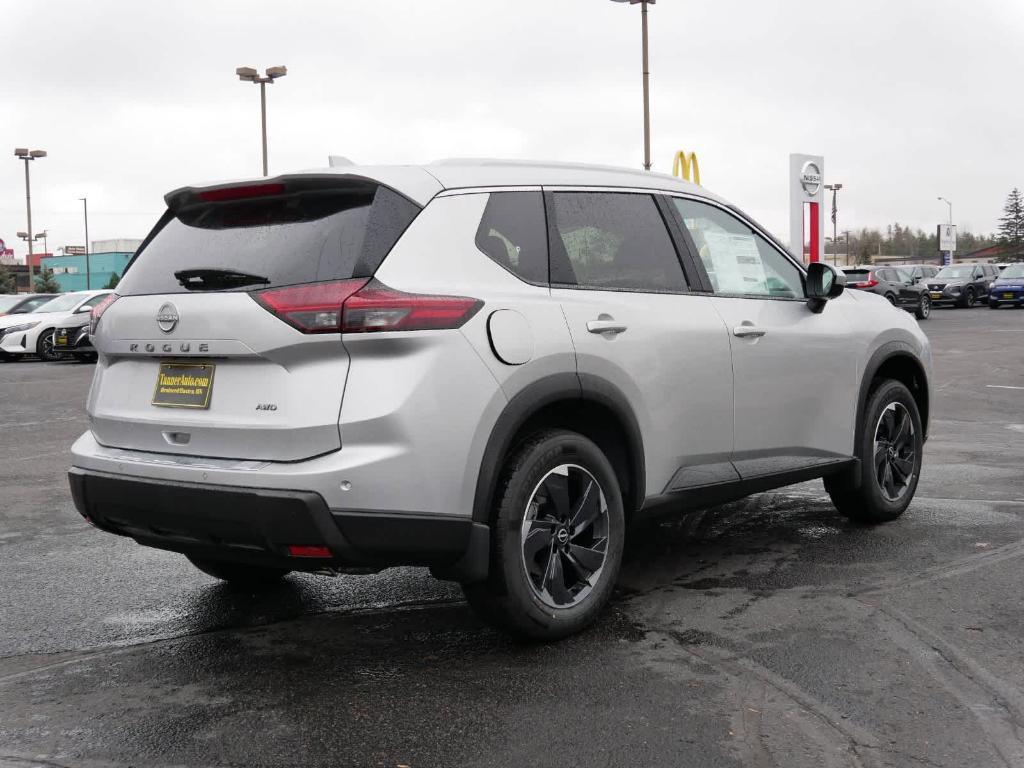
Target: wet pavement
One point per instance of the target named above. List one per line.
(770, 632)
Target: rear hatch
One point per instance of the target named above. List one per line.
(197, 359)
(859, 278)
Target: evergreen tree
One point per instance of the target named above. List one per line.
(1011, 225)
(8, 283)
(45, 282)
(113, 281)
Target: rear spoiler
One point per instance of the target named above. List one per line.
(186, 197)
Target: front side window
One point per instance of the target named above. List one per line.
(738, 261)
(513, 233)
(612, 241)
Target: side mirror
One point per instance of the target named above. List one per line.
(80, 310)
(824, 282)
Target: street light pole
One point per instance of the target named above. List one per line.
(646, 78)
(250, 75)
(647, 90)
(263, 122)
(28, 155)
(88, 272)
(834, 188)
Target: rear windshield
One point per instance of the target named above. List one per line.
(856, 272)
(303, 237)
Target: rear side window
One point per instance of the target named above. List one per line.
(612, 241)
(512, 233)
(304, 237)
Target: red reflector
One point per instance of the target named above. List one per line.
(240, 193)
(312, 308)
(301, 550)
(379, 308)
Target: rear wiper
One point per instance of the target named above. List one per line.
(212, 279)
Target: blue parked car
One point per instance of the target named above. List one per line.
(1008, 288)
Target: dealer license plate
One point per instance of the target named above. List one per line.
(184, 385)
(1008, 296)
(936, 294)
(60, 339)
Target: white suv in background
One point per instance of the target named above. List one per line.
(483, 367)
(32, 333)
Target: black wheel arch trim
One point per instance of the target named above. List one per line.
(530, 400)
(889, 351)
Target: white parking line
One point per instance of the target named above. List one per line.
(1001, 386)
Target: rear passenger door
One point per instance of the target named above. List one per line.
(909, 293)
(795, 372)
(638, 329)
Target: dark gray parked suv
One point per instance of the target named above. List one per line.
(962, 285)
(895, 284)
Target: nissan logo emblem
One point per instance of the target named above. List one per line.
(810, 178)
(167, 317)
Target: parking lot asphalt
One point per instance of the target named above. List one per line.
(769, 632)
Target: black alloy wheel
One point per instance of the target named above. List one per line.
(557, 532)
(565, 536)
(924, 307)
(895, 458)
(45, 347)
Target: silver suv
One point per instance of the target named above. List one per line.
(487, 368)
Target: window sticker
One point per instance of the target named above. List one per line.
(737, 262)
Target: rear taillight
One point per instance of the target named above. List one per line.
(98, 310)
(872, 281)
(364, 306)
(312, 308)
(375, 307)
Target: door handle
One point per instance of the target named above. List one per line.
(606, 326)
(748, 331)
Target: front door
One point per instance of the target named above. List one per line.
(637, 327)
(794, 371)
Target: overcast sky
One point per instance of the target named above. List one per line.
(906, 99)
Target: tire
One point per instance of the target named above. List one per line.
(882, 497)
(924, 308)
(967, 302)
(238, 574)
(86, 357)
(44, 347)
(549, 579)
(993, 304)
(891, 299)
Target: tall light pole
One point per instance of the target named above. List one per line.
(646, 74)
(834, 189)
(28, 155)
(88, 272)
(250, 75)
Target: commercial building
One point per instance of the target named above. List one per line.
(107, 258)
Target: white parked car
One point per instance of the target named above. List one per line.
(32, 333)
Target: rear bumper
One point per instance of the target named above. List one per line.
(258, 525)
